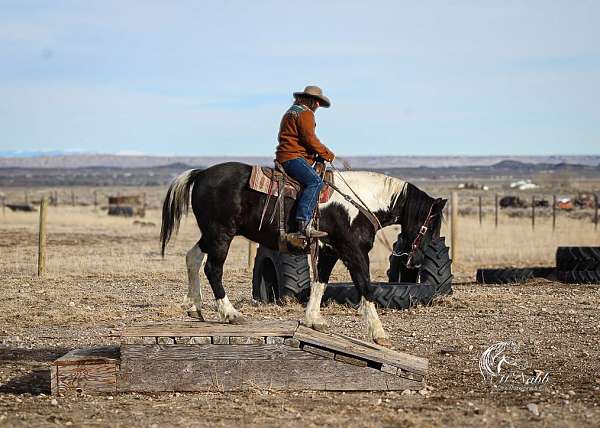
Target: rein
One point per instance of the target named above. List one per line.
(362, 208)
(417, 241)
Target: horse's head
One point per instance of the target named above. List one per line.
(421, 221)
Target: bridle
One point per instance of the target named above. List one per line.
(416, 244)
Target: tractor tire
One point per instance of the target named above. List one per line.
(513, 276)
(579, 276)
(435, 270)
(399, 296)
(578, 258)
(264, 275)
(293, 274)
(278, 276)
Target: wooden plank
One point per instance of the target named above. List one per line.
(361, 349)
(213, 352)
(54, 380)
(87, 379)
(351, 360)
(197, 328)
(246, 340)
(318, 351)
(85, 356)
(274, 340)
(141, 375)
(290, 341)
(193, 340)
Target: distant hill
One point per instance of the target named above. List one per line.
(108, 170)
(62, 160)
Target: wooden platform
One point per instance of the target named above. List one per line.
(207, 356)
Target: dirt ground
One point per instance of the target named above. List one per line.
(105, 273)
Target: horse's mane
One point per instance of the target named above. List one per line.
(416, 207)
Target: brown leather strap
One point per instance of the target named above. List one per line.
(281, 208)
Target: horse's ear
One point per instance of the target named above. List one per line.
(441, 202)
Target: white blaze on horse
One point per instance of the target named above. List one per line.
(225, 206)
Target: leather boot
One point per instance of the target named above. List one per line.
(305, 228)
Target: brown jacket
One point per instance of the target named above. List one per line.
(297, 138)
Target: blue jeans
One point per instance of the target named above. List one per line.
(300, 170)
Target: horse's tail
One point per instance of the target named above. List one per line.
(176, 203)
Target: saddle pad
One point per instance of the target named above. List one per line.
(264, 178)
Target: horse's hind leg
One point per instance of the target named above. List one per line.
(217, 249)
(194, 259)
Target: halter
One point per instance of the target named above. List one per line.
(416, 244)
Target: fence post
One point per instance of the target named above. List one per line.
(480, 212)
(496, 210)
(251, 255)
(3, 205)
(553, 213)
(532, 212)
(595, 211)
(95, 200)
(454, 226)
(42, 238)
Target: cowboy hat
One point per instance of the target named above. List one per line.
(315, 92)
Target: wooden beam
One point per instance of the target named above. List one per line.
(196, 328)
(363, 350)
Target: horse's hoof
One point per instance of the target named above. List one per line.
(239, 320)
(383, 341)
(317, 325)
(195, 314)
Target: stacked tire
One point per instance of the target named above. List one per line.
(578, 265)
(574, 265)
(513, 275)
(278, 276)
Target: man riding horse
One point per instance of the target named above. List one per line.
(225, 206)
(297, 151)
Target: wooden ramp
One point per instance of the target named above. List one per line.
(277, 355)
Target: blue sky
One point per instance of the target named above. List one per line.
(213, 78)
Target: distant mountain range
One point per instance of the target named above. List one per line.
(60, 160)
(111, 170)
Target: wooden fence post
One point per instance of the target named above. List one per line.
(251, 255)
(553, 213)
(595, 211)
(480, 212)
(95, 199)
(42, 238)
(532, 212)
(496, 210)
(454, 226)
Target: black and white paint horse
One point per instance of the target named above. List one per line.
(224, 206)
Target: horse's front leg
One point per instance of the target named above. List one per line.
(313, 318)
(357, 262)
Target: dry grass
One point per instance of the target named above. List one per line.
(105, 273)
